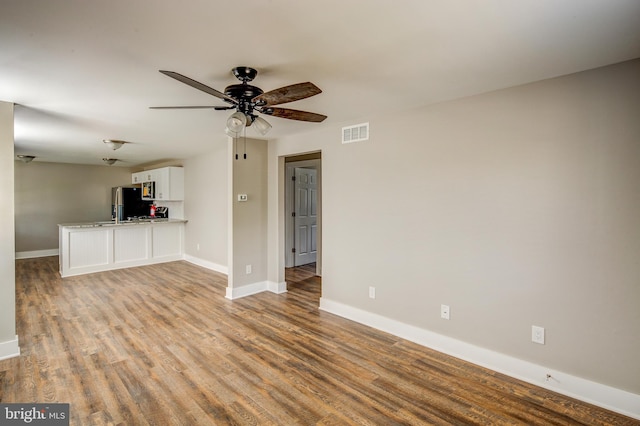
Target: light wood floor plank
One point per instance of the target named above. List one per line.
(160, 345)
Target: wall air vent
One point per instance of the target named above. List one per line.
(357, 133)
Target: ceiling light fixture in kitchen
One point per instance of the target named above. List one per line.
(110, 161)
(26, 158)
(114, 143)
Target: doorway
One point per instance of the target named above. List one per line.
(303, 211)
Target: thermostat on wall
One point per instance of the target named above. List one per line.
(242, 197)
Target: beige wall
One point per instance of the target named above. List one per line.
(249, 239)
(517, 207)
(205, 206)
(7, 241)
(47, 194)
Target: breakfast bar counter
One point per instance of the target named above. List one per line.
(101, 246)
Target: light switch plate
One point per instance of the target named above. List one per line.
(445, 312)
(242, 197)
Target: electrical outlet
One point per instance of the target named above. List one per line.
(445, 312)
(197, 247)
(372, 292)
(537, 334)
(248, 269)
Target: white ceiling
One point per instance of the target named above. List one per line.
(81, 71)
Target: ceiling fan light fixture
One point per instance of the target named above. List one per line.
(231, 133)
(247, 99)
(110, 161)
(26, 158)
(261, 125)
(236, 122)
(114, 143)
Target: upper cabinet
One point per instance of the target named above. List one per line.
(169, 182)
(146, 176)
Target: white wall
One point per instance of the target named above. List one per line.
(47, 194)
(8, 338)
(206, 208)
(517, 207)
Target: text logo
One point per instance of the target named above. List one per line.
(34, 414)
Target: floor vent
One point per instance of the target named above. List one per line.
(357, 133)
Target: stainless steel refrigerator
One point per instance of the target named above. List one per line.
(127, 203)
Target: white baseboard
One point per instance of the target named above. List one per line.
(277, 288)
(206, 264)
(604, 396)
(9, 349)
(36, 253)
(255, 288)
(246, 290)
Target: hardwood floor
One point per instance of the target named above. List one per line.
(161, 345)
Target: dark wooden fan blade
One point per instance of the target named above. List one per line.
(217, 108)
(286, 94)
(294, 114)
(197, 85)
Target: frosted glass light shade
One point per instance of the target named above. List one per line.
(261, 125)
(113, 143)
(26, 158)
(236, 122)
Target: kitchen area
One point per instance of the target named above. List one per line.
(146, 227)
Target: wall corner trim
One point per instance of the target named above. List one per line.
(604, 396)
(255, 288)
(246, 290)
(277, 288)
(9, 349)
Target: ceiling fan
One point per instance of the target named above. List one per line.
(249, 100)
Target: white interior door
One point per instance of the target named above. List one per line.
(305, 216)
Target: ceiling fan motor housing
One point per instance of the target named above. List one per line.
(244, 93)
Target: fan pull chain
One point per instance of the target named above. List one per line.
(235, 142)
(245, 142)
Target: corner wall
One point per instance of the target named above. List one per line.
(8, 338)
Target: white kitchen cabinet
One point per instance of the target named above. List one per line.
(169, 183)
(137, 177)
(145, 176)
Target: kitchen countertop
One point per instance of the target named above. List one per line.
(111, 223)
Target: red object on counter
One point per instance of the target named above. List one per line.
(153, 210)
